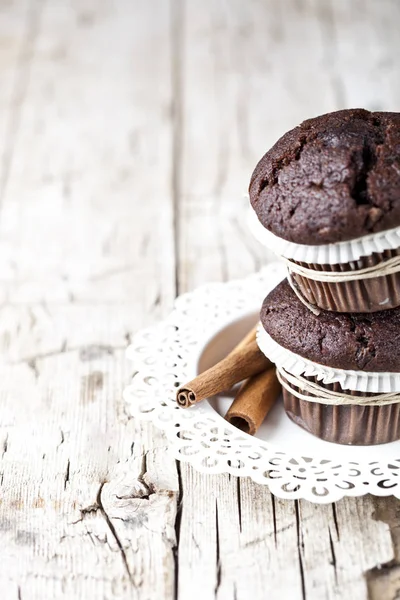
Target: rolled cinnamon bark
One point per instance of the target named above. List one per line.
(254, 401)
(245, 360)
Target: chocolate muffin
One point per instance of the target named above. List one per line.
(353, 344)
(330, 189)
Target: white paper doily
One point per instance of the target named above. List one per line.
(204, 325)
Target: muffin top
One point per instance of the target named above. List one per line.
(332, 178)
(358, 341)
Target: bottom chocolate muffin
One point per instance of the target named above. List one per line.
(363, 347)
(350, 424)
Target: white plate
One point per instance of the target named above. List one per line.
(204, 326)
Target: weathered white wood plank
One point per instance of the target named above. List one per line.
(18, 29)
(339, 543)
(269, 532)
(364, 49)
(95, 127)
(251, 71)
(384, 580)
(88, 498)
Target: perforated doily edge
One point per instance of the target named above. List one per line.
(374, 475)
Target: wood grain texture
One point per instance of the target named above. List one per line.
(88, 498)
(261, 68)
(128, 134)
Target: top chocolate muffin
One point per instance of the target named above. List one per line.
(331, 179)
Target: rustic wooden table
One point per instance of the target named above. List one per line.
(129, 131)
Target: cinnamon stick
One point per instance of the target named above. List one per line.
(245, 360)
(254, 401)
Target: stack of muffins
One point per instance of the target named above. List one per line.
(326, 199)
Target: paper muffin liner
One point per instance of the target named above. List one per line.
(361, 381)
(362, 295)
(325, 254)
(355, 425)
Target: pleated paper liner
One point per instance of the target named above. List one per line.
(325, 254)
(364, 295)
(361, 381)
(355, 425)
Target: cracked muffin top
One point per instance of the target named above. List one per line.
(332, 178)
(358, 341)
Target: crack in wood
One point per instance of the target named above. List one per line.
(217, 551)
(94, 351)
(196, 545)
(66, 476)
(274, 519)
(300, 548)
(115, 534)
(177, 527)
(234, 591)
(92, 508)
(239, 503)
(332, 548)
(142, 478)
(33, 366)
(90, 536)
(274, 534)
(147, 489)
(176, 42)
(62, 440)
(157, 300)
(335, 520)
(258, 540)
(5, 446)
